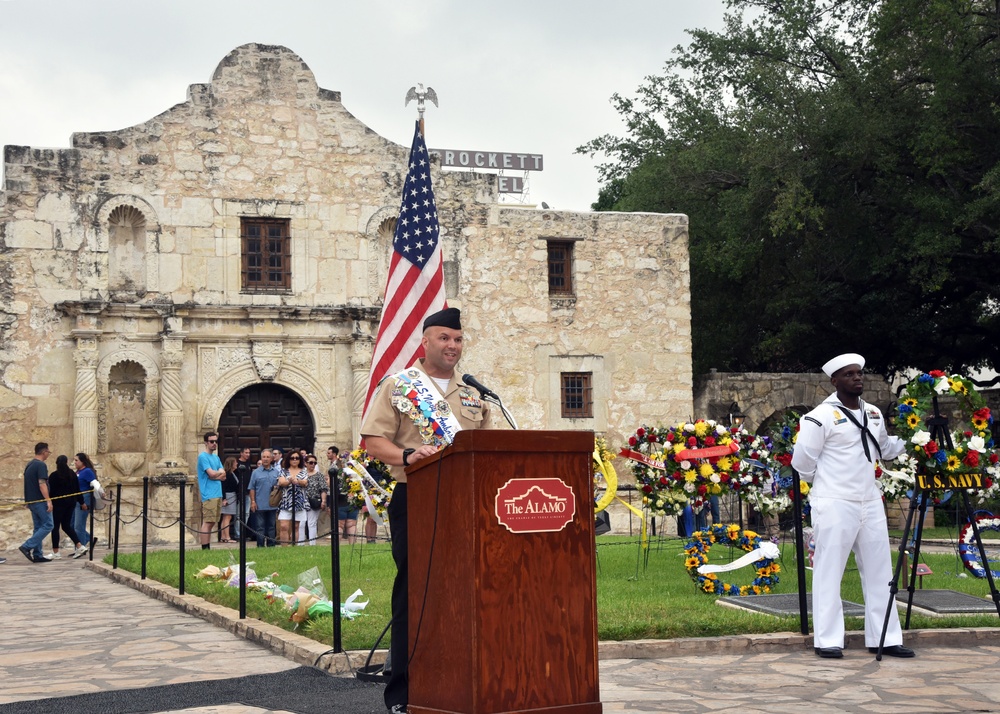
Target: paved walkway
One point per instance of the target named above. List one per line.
(68, 631)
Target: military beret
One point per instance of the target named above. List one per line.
(450, 317)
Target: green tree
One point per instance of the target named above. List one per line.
(838, 160)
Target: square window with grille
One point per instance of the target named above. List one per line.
(267, 254)
(577, 395)
(560, 267)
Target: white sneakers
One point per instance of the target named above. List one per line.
(52, 556)
(81, 551)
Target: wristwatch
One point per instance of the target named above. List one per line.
(406, 456)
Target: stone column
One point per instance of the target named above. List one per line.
(361, 360)
(171, 404)
(85, 399)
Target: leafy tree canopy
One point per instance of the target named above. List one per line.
(838, 160)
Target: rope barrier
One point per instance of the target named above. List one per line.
(18, 502)
(169, 525)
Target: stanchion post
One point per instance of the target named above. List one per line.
(118, 521)
(800, 555)
(93, 500)
(180, 548)
(241, 514)
(145, 519)
(335, 564)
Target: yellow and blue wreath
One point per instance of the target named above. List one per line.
(701, 543)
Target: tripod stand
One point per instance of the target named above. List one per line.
(925, 485)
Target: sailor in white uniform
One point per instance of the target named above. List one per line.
(838, 444)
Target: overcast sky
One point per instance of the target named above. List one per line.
(513, 75)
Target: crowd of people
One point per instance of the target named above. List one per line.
(284, 494)
(60, 501)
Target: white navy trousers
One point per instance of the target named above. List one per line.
(839, 527)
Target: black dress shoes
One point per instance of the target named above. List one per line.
(829, 652)
(894, 651)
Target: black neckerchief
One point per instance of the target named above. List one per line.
(863, 426)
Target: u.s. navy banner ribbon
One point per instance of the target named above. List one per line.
(429, 406)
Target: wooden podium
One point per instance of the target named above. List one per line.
(508, 622)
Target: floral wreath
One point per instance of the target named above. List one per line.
(972, 442)
(755, 477)
(379, 492)
(784, 436)
(669, 471)
(765, 475)
(699, 546)
(604, 471)
(894, 484)
(967, 544)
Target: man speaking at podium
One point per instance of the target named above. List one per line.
(837, 447)
(413, 415)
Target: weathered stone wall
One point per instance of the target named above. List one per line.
(125, 248)
(764, 396)
(626, 267)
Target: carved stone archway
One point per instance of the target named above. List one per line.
(245, 375)
(265, 415)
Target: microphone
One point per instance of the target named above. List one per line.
(479, 386)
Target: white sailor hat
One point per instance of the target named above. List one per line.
(841, 361)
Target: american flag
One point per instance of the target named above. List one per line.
(415, 287)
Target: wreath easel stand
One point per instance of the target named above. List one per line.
(921, 495)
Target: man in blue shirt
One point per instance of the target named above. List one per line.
(210, 478)
(36, 496)
(263, 480)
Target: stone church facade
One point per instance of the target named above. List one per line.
(221, 266)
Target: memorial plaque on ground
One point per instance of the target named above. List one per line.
(947, 602)
(785, 604)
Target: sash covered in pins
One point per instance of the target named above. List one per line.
(420, 399)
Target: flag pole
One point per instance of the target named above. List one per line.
(415, 281)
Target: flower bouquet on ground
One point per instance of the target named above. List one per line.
(681, 465)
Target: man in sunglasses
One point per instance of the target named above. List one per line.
(210, 478)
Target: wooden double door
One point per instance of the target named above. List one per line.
(265, 416)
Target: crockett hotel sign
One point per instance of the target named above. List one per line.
(496, 160)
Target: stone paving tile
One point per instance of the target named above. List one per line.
(65, 630)
(234, 708)
(939, 680)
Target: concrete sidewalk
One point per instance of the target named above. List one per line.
(67, 630)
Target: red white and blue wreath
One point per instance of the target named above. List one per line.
(967, 544)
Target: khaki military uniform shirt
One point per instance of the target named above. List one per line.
(385, 420)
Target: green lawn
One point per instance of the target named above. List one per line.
(639, 595)
(944, 533)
